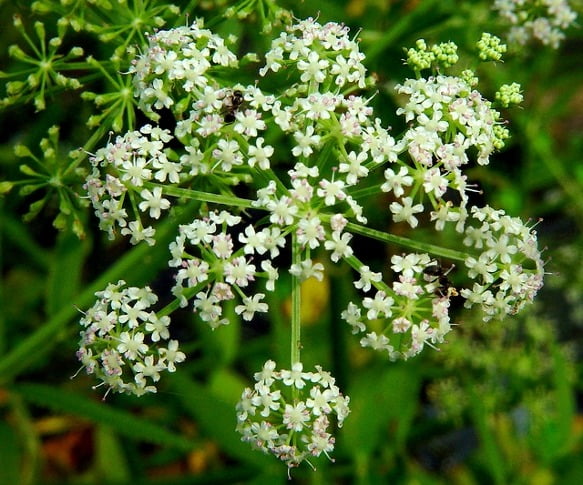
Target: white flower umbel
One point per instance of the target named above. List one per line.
(399, 320)
(120, 171)
(213, 270)
(304, 197)
(175, 64)
(542, 20)
(291, 413)
(507, 269)
(123, 341)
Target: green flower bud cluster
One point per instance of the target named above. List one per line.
(424, 57)
(490, 47)
(509, 94)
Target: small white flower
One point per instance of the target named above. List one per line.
(377, 342)
(354, 167)
(250, 306)
(227, 154)
(272, 275)
(331, 191)
(222, 246)
(131, 346)
(435, 182)
(306, 269)
(338, 222)
(267, 374)
(401, 325)
(406, 211)
(396, 181)
(379, 306)
(305, 142)
(147, 368)
(313, 68)
(159, 328)
(339, 245)
(310, 232)
(352, 316)
(171, 355)
(154, 202)
(259, 154)
(296, 417)
(248, 122)
(238, 271)
(282, 211)
(366, 278)
(253, 241)
(296, 376)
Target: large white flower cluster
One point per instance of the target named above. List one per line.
(215, 271)
(303, 145)
(124, 343)
(290, 413)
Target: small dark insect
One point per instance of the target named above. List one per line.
(230, 106)
(436, 273)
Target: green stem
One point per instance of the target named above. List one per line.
(446, 253)
(296, 305)
(175, 304)
(98, 134)
(230, 200)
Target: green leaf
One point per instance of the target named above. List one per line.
(393, 390)
(123, 422)
(226, 384)
(15, 231)
(10, 455)
(65, 272)
(493, 456)
(558, 437)
(217, 418)
(110, 456)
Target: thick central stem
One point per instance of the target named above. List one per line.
(296, 304)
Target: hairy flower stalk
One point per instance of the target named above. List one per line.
(307, 196)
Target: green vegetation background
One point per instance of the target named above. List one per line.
(501, 403)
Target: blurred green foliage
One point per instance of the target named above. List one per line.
(500, 404)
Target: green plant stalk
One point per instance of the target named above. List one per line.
(433, 249)
(230, 200)
(296, 342)
(29, 439)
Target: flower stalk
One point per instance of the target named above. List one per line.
(296, 342)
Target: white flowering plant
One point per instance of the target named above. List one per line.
(254, 173)
(308, 200)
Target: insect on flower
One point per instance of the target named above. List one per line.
(231, 104)
(436, 273)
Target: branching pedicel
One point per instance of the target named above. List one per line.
(308, 203)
